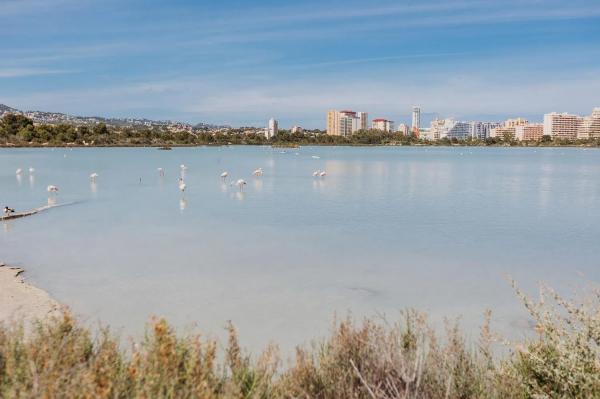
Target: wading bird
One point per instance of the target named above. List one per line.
(224, 175)
(258, 172)
(52, 189)
(31, 171)
(93, 177)
(161, 172)
(182, 185)
(19, 171)
(240, 183)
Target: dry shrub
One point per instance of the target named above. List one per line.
(407, 360)
(563, 361)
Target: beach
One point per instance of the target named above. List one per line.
(21, 301)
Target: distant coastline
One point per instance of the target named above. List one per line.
(19, 131)
(284, 147)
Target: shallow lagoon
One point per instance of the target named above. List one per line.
(437, 229)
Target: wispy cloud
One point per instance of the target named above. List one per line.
(24, 72)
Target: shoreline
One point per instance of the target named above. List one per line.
(21, 301)
(299, 145)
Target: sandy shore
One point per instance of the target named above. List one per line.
(20, 301)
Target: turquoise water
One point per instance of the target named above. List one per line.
(437, 229)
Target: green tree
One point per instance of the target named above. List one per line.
(26, 133)
(11, 124)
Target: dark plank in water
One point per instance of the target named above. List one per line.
(18, 215)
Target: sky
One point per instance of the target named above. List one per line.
(242, 62)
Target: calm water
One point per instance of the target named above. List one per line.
(388, 228)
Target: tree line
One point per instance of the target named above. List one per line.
(18, 130)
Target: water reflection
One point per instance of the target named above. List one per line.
(182, 204)
(52, 200)
(31, 181)
(239, 195)
(19, 179)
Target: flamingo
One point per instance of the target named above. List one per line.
(224, 175)
(31, 171)
(258, 172)
(316, 173)
(323, 174)
(52, 189)
(316, 157)
(93, 177)
(183, 167)
(241, 183)
(181, 185)
(161, 172)
(19, 171)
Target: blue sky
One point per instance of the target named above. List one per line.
(241, 62)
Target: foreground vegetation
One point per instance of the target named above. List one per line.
(60, 358)
(19, 131)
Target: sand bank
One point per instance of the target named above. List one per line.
(21, 301)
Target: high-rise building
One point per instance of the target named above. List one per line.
(590, 126)
(333, 117)
(383, 124)
(272, 129)
(344, 123)
(416, 119)
(362, 121)
(562, 126)
(296, 129)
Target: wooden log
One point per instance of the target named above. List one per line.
(19, 215)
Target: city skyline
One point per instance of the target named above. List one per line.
(216, 63)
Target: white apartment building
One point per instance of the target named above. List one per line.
(383, 124)
(482, 130)
(562, 126)
(272, 129)
(402, 128)
(459, 130)
(440, 128)
(362, 121)
(450, 128)
(590, 126)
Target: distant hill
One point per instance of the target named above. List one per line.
(57, 117)
(6, 109)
